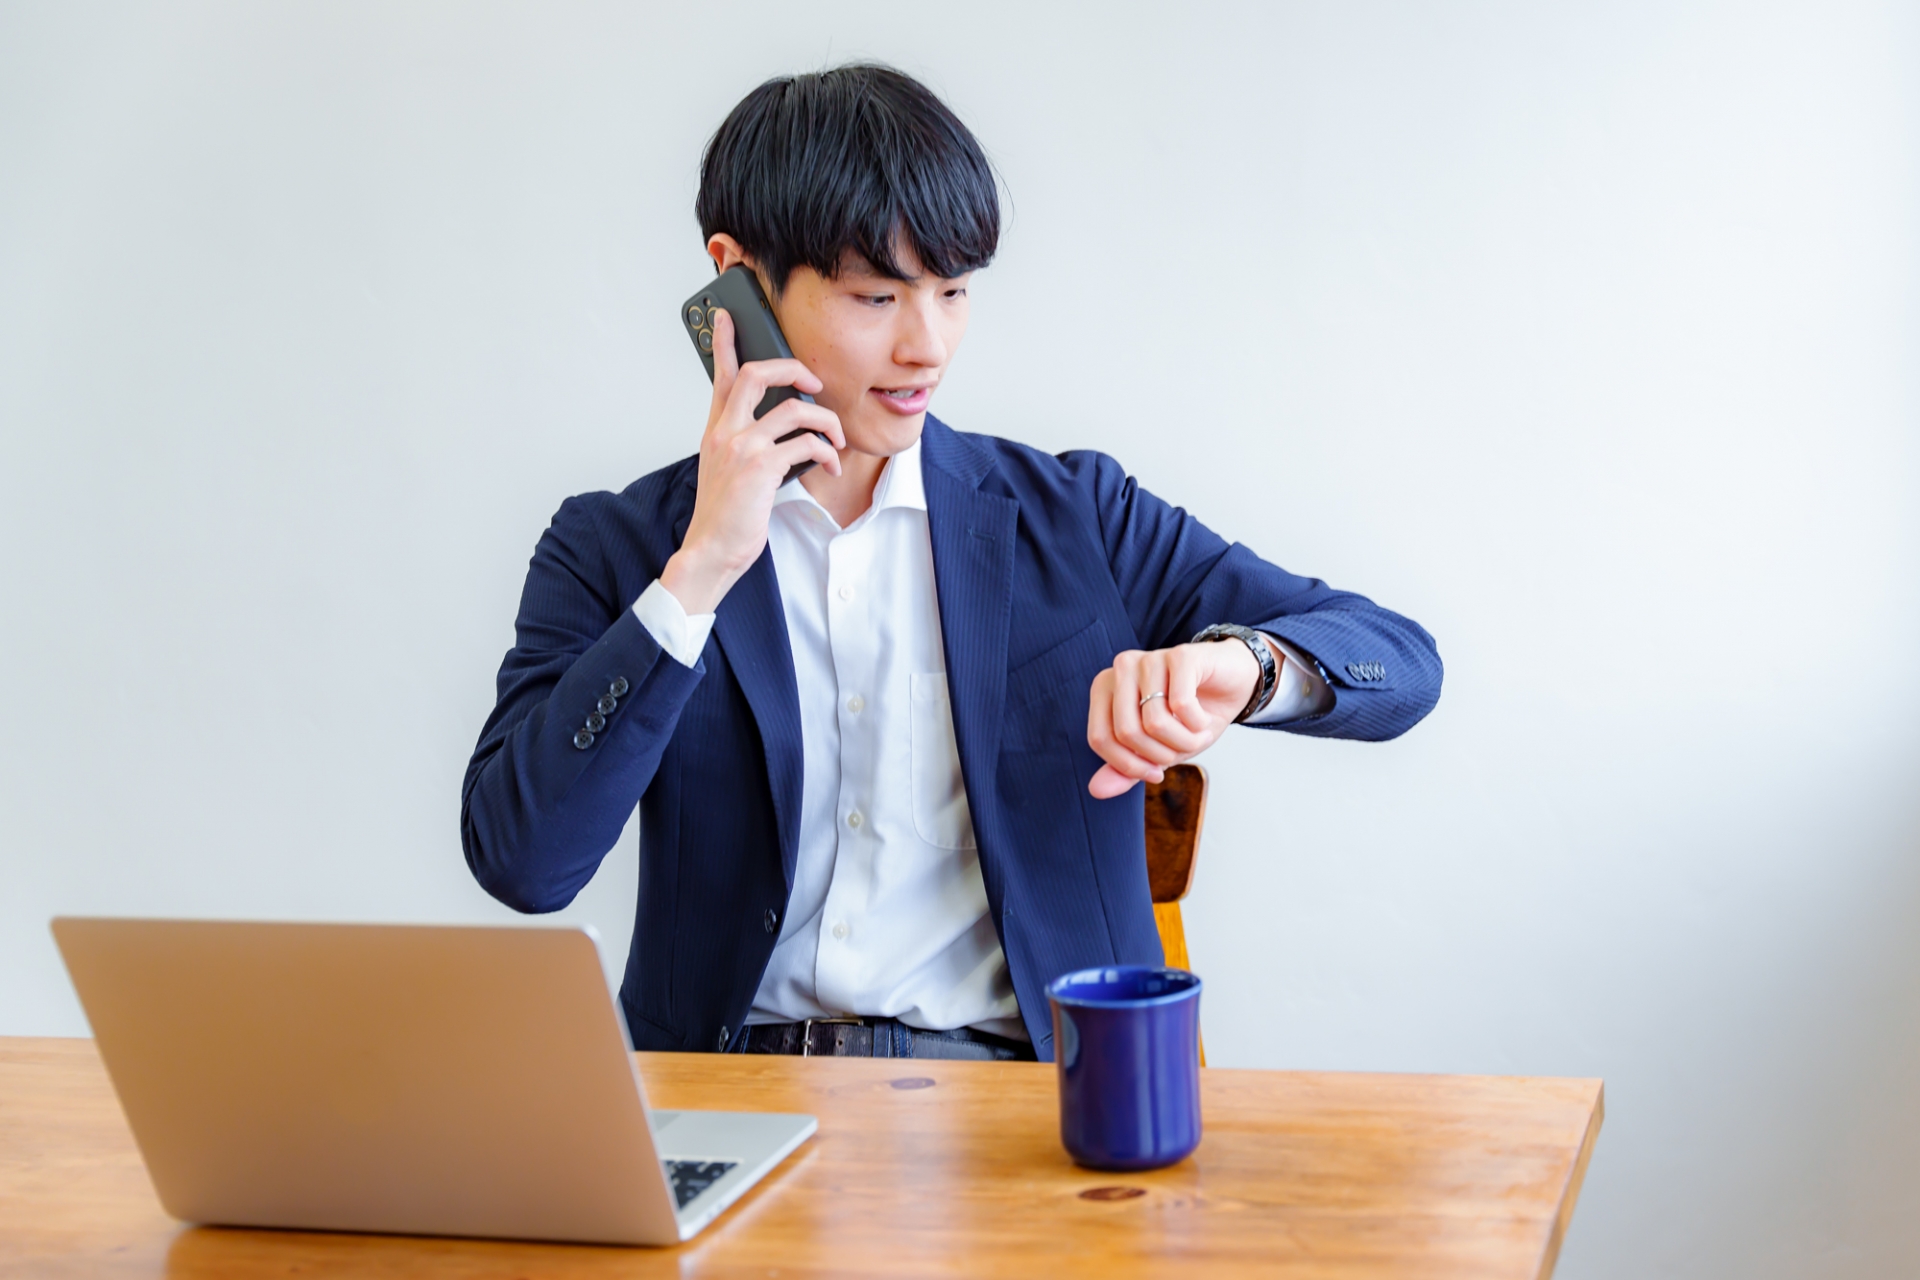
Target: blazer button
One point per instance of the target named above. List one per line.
(772, 919)
(607, 703)
(721, 1045)
(596, 722)
(619, 687)
(582, 740)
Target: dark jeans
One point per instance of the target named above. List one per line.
(878, 1038)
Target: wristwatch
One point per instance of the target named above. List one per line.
(1262, 653)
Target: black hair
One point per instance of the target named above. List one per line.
(809, 167)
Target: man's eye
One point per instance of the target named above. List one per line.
(956, 293)
(877, 299)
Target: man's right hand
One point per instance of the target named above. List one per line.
(742, 466)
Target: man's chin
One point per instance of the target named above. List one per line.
(885, 438)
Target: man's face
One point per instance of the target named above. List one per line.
(880, 345)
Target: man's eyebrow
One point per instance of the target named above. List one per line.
(867, 271)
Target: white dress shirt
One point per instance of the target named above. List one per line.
(888, 914)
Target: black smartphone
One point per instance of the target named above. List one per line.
(756, 334)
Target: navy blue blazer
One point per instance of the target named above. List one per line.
(1045, 568)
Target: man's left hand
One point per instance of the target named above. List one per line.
(1157, 708)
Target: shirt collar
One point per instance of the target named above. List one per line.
(901, 485)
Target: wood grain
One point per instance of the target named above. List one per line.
(1302, 1174)
(1176, 810)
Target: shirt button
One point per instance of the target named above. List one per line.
(856, 704)
(854, 819)
(846, 593)
(771, 919)
(840, 930)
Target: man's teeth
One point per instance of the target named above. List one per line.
(908, 394)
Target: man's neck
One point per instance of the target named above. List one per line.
(847, 495)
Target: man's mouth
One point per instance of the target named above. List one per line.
(906, 400)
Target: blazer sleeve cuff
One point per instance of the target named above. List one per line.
(1298, 689)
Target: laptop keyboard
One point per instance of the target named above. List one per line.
(691, 1177)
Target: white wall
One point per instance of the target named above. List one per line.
(1585, 334)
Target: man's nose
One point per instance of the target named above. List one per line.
(919, 341)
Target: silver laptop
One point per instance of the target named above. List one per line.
(429, 1080)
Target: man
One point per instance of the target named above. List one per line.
(884, 721)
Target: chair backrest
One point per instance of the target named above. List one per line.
(1176, 810)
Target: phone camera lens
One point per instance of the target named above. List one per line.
(706, 340)
(695, 318)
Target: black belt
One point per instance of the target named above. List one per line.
(879, 1038)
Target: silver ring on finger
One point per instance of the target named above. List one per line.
(1158, 693)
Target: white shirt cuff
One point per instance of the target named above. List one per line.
(1298, 690)
(682, 635)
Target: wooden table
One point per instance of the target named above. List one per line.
(920, 1168)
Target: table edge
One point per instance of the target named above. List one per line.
(1576, 1178)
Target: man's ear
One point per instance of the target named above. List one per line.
(726, 252)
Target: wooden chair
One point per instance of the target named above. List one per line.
(1176, 810)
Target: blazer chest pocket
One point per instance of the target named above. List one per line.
(1049, 692)
(940, 813)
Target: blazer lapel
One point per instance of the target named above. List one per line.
(973, 543)
(751, 628)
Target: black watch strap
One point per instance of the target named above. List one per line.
(1262, 653)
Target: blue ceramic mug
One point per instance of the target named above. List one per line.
(1126, 1046)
